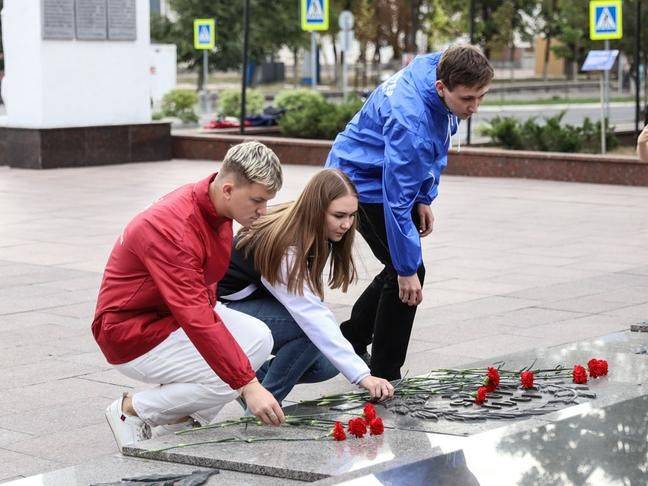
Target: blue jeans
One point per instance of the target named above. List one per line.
(296, 358)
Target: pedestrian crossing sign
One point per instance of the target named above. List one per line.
(204, 33)
(606, 20)
(315, 14)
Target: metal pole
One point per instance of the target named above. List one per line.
(637, 58)
(620, 76)
(345, 73)
(472, 41)
(205, 69)
(246, 25)
(606, 75)
(314, 59)
(602, 113)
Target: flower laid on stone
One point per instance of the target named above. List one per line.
(440, 394)
(526, 379)
(369, 412)
(376, 426)
(579, 374)
(480, 396)
(357, 427)
(338, 431)
(597, 367)
(492, 380)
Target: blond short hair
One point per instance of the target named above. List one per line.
(254, 162)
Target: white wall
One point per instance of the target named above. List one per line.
(163, 70)
(64, 83)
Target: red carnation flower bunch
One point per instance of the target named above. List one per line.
(491, 382)
(596, 368)
(526, 379)
(358, 427)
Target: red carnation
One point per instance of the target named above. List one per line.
(338, 431)
(580, 375)
(597, 367)
(357, 427)
(376, 426)
(369, 412)
(480, 396)
(526, 378)
(492, 380)
(603, 367)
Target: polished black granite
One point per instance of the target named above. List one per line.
(598, 447)
(411, 437)
(47, 148)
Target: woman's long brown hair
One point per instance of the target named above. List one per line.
(302, 225)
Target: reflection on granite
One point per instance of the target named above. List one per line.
(305, 460)
(566, 447)
(619, 349)
(114, 468)
(597, 447)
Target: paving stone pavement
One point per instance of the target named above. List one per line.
(512, 265)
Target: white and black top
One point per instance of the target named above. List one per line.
(242, 282)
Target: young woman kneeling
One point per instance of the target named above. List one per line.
(276, 275)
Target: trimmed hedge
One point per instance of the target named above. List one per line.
(309, 115)
(550, 136)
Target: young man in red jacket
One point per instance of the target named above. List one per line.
(155, 318)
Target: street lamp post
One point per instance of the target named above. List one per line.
(637, 61)
(472, 41)
(246, 25)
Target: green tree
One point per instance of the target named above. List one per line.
(440, 22)
(272, 25)
(573, 33)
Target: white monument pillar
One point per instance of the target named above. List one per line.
(64, 68)
(77, 84)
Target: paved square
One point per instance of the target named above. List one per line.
(512, 265)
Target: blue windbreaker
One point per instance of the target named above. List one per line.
(394, 150)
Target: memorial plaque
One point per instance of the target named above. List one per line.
(57, 19)
(91, 20)
(122, 18)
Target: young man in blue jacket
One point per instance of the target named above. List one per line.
(394, 150)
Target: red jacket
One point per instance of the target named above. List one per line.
(161, 275)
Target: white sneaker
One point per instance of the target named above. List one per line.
(162, 430)
(125, 428)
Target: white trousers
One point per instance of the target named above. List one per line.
(188, 386)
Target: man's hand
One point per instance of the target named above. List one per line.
(261, 403)
(378, 388)
(409, 290)
(426, 219)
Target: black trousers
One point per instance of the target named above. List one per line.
(379, 316)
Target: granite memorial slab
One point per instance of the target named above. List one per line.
(57, 19)
(298, 453)
(112, 469)
(599, 447)
(122, 22)
(422, 424)
(91, 20)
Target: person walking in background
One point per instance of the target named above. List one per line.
(394, 150)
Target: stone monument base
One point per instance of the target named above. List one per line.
(48, 148)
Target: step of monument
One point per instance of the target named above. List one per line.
(114, 468)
